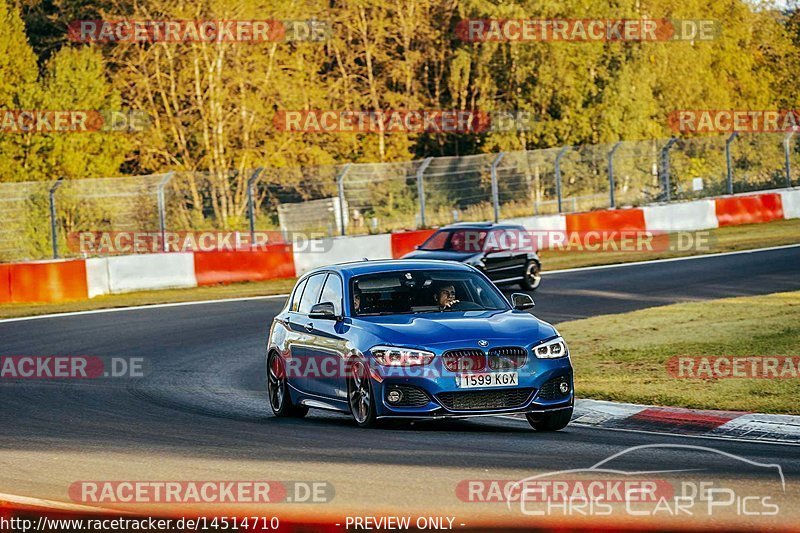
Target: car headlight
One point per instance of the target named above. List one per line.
(551, 349)
(394, 356)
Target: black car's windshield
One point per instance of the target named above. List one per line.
(456, 240)
(415, 291)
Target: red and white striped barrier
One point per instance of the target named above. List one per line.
(55, 281)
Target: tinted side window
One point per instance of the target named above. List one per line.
(495, 241)
(298, 292)
(437, 241)
(332, 292)
(311, 292)
(512, 239)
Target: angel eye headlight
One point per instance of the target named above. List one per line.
(551, 349)
(394, 356)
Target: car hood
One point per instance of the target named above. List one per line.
(455, 328)
(442, 255)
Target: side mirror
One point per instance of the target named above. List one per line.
(521, 301)
(324, 311)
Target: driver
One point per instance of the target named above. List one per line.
(446, 297)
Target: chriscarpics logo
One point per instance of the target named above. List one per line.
(685, 481)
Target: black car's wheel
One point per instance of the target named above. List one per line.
(360, 395)
(550, 421)
(533, 276)
(278, 388)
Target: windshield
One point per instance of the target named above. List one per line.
(456, 240)
(404, 292)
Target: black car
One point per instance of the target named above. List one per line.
(506, 253)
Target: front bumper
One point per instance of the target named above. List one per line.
(435, 394)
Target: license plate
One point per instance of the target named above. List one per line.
(497, 379)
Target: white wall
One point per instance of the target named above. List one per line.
(308, 256)
(151, 271)
(791, 203)
(97, 281)
(685, 216)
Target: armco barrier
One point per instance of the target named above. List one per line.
(790, 200)
(151, 271)
(48, 281)
(735, 210)
(403, 243)
(212, 268)
(608, 220)
(5, 284)
(341, 250)
(687, 216)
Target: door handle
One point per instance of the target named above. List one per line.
(309, 326)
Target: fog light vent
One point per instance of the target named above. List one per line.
(555, 389)
(406, 396)
(394, 396)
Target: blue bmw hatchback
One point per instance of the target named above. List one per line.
(415, 339)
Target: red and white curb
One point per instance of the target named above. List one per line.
(732, 425)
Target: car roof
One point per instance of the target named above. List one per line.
(481, 225)
(357, 268)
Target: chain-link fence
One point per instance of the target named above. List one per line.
(39, 218)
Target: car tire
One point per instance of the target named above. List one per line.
(280, 401)
(532, 277)
(360, 394)
(550, 421)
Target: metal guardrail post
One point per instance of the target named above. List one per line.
(495, 188)
(728, 165)
(340, 186)
(787, 161)
(421, 190)
(665, 167)
(53, 228)
(611, 185)
(162, 219)
(558, 174)
(251, 207)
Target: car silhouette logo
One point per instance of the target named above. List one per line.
(483, 343)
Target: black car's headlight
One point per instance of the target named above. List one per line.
(394, 356)
(552, 349)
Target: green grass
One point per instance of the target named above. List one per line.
(624, 357)
(723, 240)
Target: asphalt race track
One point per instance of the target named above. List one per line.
(202, 413)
